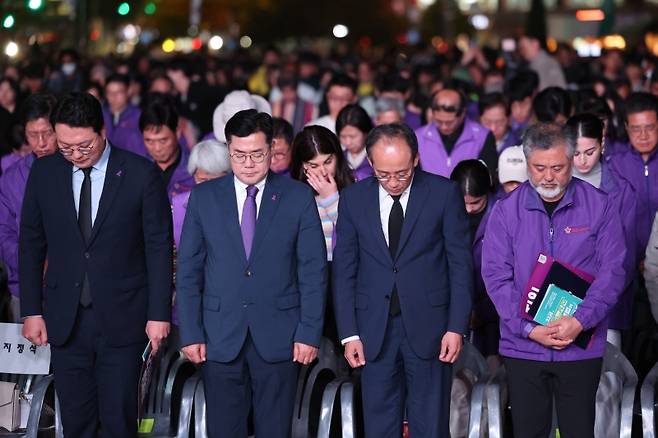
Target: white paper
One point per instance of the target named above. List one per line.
(20, 356)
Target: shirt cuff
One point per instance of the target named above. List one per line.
(527, 328)
(349, 339)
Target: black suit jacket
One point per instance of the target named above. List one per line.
(128, 259)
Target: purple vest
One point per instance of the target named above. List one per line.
(12, 189)
(125, 134)
(433, 156)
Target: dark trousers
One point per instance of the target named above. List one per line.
(398, 378)
(96, 383)
(532, 387)
(231, 388)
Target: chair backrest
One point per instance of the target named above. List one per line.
(615, 363)
(471, 359)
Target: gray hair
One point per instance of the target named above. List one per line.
(385, 104)
(210, 156)
(544, 136)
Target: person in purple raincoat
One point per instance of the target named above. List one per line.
(570, 220)
(638, 165)
(352, 127)
(451, 137)
(494, 115)
(39, 133)
(585, 131)
(476, 186)
(122, 118)
(159, 126)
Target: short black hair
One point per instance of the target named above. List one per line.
(473, 177)
(354, 115)
(342, 80)
(247, 122)
(37, 106)
(116, 77)
(282, 129)
(639, 102)
(552, 102)
(491, 100)
(79, 110)
(159, 110)
(522, 85)
(393, 130)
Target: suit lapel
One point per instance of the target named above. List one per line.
(229, 209)
(65, 183)
(417, 199)
(114, 175)
(268, 206)
(372, 209)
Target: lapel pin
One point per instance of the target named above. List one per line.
(120, 172)
(274, 197)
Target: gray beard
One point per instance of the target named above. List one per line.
(550, 194)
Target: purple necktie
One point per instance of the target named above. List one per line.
(248, 223)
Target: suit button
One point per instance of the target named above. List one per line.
(395, 270)
(87, 255)
(244, 304)
(247, 274)
(77, 285)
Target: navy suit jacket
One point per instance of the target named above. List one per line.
(128, 258)
(278, 295)
(432, 269)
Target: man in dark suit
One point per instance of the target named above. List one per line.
(402, 282)
(101, 217)
(251, 285)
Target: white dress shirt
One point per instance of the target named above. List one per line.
(241, 195)
(97, 181)
(385, 206)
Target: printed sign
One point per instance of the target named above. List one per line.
(20, 356)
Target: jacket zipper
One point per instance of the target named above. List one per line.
(551, 240)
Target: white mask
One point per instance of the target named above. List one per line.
(68, 68)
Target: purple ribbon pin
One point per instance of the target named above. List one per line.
(120, 172)
(273, 197)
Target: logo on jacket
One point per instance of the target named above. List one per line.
(571, 230)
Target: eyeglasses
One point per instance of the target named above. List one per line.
(256, 157)
(638, 130)
(446, 108)
(400, 177)
(39, 135)
(67, 149)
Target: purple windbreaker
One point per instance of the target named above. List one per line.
(585, 232)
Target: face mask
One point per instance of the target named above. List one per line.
(68, 68)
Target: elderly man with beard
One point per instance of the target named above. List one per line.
(575, 223)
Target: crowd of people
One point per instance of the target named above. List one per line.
(395, 206)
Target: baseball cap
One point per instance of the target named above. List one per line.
(512, 165)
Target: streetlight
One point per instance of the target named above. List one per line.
(9, 21)
(11, 49)
(216, 42)
(340, 31)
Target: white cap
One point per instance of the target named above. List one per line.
(234, 102)
(512, 165)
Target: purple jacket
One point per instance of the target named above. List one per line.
(623, 197)
(12, 189)
(433, 156)
(363, 171)
(181, 180)
(511, 138)
(613, 147)
(8, 160)
(482, 305)
(585, 232)
(125, 134)
(643, 177)
(178, 209)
